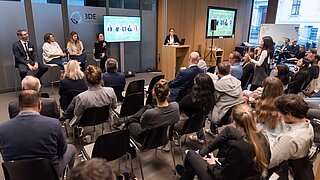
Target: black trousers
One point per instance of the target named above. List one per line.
(195, 165)
(23, 69)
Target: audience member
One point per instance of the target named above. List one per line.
(302, 52)
(295, 142)
(314, 68)
(281, 71)
(283, 51)
(268, 117)
(228, 94)
(247, 150)
(311, 53)
(236, 68)
(202, 63)
(101, 50)
(95, 96)
(25, 56)
(49, 105)
(93, 169)
(163, 114)
(112, 77)
(248, 70)
(52, 53)
(76, 50)
(201, 100)
(73, 80)
(262, 65)
(299, 79)
(31, 135)
(184, 78)
(294, 48)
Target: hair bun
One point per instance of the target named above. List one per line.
(90, 69)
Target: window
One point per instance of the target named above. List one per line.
(149, 5)
(295, 7)
(259, 15)
(115, 3)
(131, 4)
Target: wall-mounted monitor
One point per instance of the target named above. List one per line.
(225, 22)
(122, 28)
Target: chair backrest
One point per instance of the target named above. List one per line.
(67, 97)
(112, 146)
(135, 87)
(193, 123)
(94, 116)
(182, 94)
(156, 137)
(118, 91)
(29, 169)
(153, 81)
(132, 103)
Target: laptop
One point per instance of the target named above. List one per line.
(182, 41)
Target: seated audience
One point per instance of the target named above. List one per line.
(202, 63)
(314, 68)
(93, 169)
(95, 96)
(52, 53)
(112, 77)
(49, 105)
(248, 70)
(101, 50)
(294, 48)
(73, 80)
(184, 78)
(247, 152)
(201, 99)
(282, 72)
(268, 117)
(163, 114)
(300, 78)
(236, 68)
(228, 94)
(302, 52)
(295, 142)
(31, 135)
(76, 50)
(311, 53)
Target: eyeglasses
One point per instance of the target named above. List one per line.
(24, 34)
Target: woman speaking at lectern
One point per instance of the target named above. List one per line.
(171, 38)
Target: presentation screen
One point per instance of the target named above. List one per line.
(122, 28)
(225, 22)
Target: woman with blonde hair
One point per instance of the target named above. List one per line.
(268, 117)
(73, 80)
(246, 152)
(76, 50)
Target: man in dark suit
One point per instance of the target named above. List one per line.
(31, 135)
(184, 78)
(25, 56)
(50, 106)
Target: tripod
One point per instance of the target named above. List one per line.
(211, 69)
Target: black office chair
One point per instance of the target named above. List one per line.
(94, 116)
(134, 98)
(67, 97)
(29, 169)
(153, 81)
(182, 94)
(152, 139)
(118, 91)
(111, 146)
(193, 124)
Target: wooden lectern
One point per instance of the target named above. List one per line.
(173, 57)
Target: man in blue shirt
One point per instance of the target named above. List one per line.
(236, 68)
(31, 135)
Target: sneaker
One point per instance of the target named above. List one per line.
(208, 131)
(195, 138)
(180, 169)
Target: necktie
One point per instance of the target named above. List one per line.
(27, 50)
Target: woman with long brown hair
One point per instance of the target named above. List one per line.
(269, 118)
(76, 50)
(247, 153)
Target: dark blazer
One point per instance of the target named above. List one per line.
(183, 80)
(99, 49)
(175, 37)
(247, 71)
(67, 85)
(301, 54)
(298, 81)
(49, 108)
(20, 55)
(294, 49)
(114, 79)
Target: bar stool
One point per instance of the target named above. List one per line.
(94, 58)
(51, 66)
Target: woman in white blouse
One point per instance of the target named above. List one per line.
(75, 49)
(52, 53)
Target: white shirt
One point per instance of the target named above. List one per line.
(24, 47)
(263, 55)
(73, 49)
(171, 40)
(50, 49)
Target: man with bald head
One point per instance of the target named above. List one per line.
(184, 79)
(31, 135)
(50, 106)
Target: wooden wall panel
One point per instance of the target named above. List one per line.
(189, 18)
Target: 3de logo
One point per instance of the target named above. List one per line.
(78, 17)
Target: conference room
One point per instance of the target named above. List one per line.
(159, 89)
